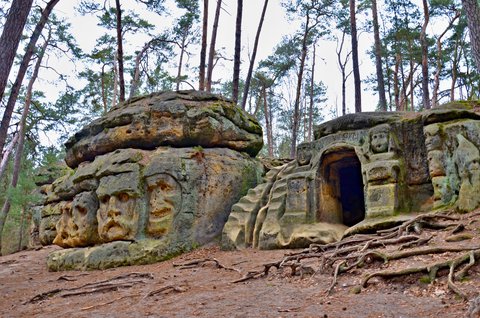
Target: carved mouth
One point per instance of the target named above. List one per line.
(159, 213)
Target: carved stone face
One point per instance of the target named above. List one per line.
(435, 163)
(117, 217)
(164, 200)
(304, 155)
(379, 139)
(433, 139)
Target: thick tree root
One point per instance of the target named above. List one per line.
(422, 235)
(202, 262)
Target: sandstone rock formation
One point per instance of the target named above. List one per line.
(363, 170)
(155, 176)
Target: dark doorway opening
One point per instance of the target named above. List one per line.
(341, 198)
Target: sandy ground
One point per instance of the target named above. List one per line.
(163, 290)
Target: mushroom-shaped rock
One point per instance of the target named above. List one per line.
(177, 119)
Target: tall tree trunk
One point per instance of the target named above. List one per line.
(115, 83)
(472, 10)
(121, 80)
(11, 35)
(312, 90)
(356, 66)
(454, 69)
(21, 139)
(136, 72)
(6, 155)
(343, 65)
(378, 58)
(396, 82)
(436, 84)
(254, 54)
(213, 41)
(104, 95)
(238, 49)
(268, 123)
(296, 110)
(20, 232)
(203, 51)
(424, 45)
(12, 99)
(180, 63)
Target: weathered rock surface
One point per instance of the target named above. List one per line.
(364, 171)
(155, 176)
(177, 119)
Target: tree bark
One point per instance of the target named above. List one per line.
(436, 84)
(12, 99)
(356, 66)
(11, 35)
(296, 110)
(180, 62)
(6, 155)
(121, 79)
(424, 45)
(21, 138)
(254, 54)
(378, 58)
(203, 51)
(268, 123)
(104, 95)
(472, 10)
(213, 40)
(238, 48)
(312, 84)
(342, 65)
(136, 72)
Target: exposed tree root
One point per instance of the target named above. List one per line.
(201, 262)
(112, 284)
(167, 289)
(109, 302)
(416, 237)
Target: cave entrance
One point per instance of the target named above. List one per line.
(341, 197)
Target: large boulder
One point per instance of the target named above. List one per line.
(155, 176)
(177, 119)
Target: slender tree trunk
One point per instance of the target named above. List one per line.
(213, 41)
(121, 80)
(21, 139)
(6, 155)
(254, 54)
(472, 10)
(20, 232)
(136, 72)
(104, 95)
(115, 83)
(296, 110)
(424, 45)
(396, 82)
(238, 49)
(11, 35)
(312, 91)
(356, 66)
(454, 70)
(268, 124)
(343, 65)
(180, 63)
(203, 51)
(436, 84)
(12, 99)
(378, 58)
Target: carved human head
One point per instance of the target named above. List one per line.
(433, 140)
(164, 201)
(379, 139)
(436, 165)
(304, 154)
(118, 214)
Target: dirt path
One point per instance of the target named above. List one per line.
(207, 291)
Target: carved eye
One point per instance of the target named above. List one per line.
(82, 210)
(123, 197)
(105, 199)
